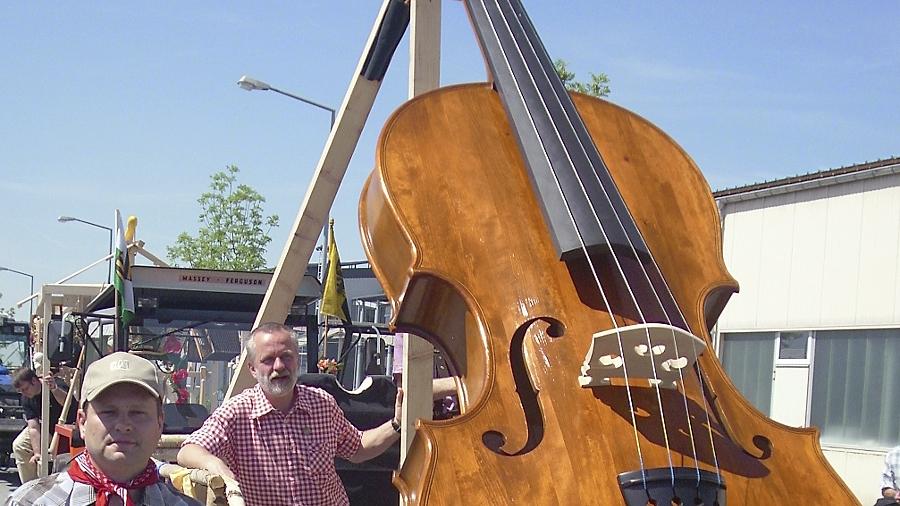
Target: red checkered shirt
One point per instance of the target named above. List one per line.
(282, 459)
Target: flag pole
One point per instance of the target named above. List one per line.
(334, 296)
(124, 302)
(325, 339)
(117, 326)
(327, 274)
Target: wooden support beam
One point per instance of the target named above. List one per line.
(46, 295)
(425, 46)
(329, 173)
(74, 296)
(418, 354)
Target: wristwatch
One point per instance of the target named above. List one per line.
(395, 425)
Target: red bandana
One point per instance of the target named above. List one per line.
(85, 471)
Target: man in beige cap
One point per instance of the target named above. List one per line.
(120, 421)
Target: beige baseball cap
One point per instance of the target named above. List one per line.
(121, 367)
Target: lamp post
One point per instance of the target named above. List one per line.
(250, 84)
(31, 301)
(64, 219)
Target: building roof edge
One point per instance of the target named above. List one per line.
(820, 178)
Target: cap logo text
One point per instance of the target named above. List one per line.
(119, 365)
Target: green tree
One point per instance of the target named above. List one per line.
(233, 229)
(598, 87)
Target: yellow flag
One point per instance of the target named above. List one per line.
(334, 298)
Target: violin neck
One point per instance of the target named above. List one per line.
(580, 202)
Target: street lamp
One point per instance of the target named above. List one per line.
(64, 219)
(250, 84)
(31, 300)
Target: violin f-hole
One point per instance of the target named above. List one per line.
(528, 396)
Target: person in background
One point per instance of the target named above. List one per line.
(27, 445)
(6, 379)
(889, 477)
(120, 420)
(279, 439)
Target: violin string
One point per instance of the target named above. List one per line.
(708, 407)
(662, 307)
(656, 383)
(647, 278)
(584, 248)
(687, 412)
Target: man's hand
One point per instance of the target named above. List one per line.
(375, 441)
(35, 459)
(52, 386)
(398, 406)
(49, 381)
(197, 457)
(218, 466)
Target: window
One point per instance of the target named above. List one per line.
(792, 345)
(385, 312)
(748, 358)
(368, 314)
(301, 348)
(856, 387)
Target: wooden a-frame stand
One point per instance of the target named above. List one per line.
(424, 75)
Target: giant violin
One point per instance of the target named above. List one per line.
(566, 256)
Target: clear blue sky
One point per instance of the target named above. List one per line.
(133, 105)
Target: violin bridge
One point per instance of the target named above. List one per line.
(643, 347)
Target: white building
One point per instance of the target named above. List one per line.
(813, 337)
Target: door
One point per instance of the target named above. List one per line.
(790, 379)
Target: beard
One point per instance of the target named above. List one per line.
(277, 384)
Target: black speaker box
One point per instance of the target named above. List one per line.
(183, 418)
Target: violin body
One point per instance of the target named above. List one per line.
(454, 233)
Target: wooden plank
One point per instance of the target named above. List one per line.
(47, 306)
(425, 46)
(418, 354)
(418, 362)
(329, 173)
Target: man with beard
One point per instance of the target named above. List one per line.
(279, 439)
(121, 421)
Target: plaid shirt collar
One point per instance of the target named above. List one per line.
(85, 495)
(262, 406)
(60, 490)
